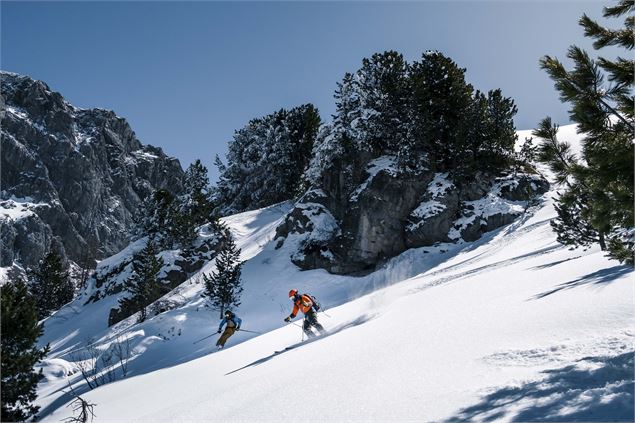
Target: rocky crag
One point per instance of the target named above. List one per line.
(70, 176)
(352, 222)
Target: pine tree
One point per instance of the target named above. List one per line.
(143, 285)
(50, 284)
(473, 137)
(224, 286)
(156, 218)
(382, 86)
(348, 110)
(440, 102)
(196, 201)
(604, 114)
(527, 153)
(193, 208)
(19, 352)
(266, 160)
(303, 123)
(497, 150)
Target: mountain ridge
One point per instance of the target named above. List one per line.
(78, 174)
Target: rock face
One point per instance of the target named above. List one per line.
(352, 223)
(73, 174)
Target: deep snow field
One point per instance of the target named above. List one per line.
(511, 327)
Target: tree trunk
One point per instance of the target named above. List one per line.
(602, 241)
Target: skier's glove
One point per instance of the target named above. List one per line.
(287, 319)
(218, 331)
(237, 327)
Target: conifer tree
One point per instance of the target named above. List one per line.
(303, 123)
(50, 284)
(497, 150)
(603, 180)
(348, 111)
(382, 86)
(223, 286)
(473, 137)
(196, 203)
(266, 160)
(156, 218)
(193, 208)
(440, 101)
(19, 352)
(143, 285)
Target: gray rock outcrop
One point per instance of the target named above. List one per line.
(75, 174)
(353, 223)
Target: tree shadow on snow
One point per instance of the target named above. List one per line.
(359, 321)
(600, 277)
(598, 389)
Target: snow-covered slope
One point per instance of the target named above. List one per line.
(511, 327)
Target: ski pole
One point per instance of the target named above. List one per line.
(326, 314)
(209, 336)
(295, 324)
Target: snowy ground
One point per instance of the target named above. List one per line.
(511, 327)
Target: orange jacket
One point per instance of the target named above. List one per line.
(304, 304)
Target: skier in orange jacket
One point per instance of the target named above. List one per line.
(305, 304)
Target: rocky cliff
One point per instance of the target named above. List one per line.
(70, 176)
(352, 222)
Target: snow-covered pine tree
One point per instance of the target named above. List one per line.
(370, 117)
(527, 153)
(223, 286)
(382, 86)
(348, 111)
(196, 202)
(50, 284)
(156, 218)
(20, 331)
(337, 140)
(143, 285)
(266, 160)
(604, 178)
(425, 113)
(191, 209)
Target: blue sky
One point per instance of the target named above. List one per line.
(187, 74)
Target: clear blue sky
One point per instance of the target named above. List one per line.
(187, 74)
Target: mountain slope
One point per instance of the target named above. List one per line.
(75, 175)
(513, 326)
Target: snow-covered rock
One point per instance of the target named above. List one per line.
(83, 171)
(381, 212)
